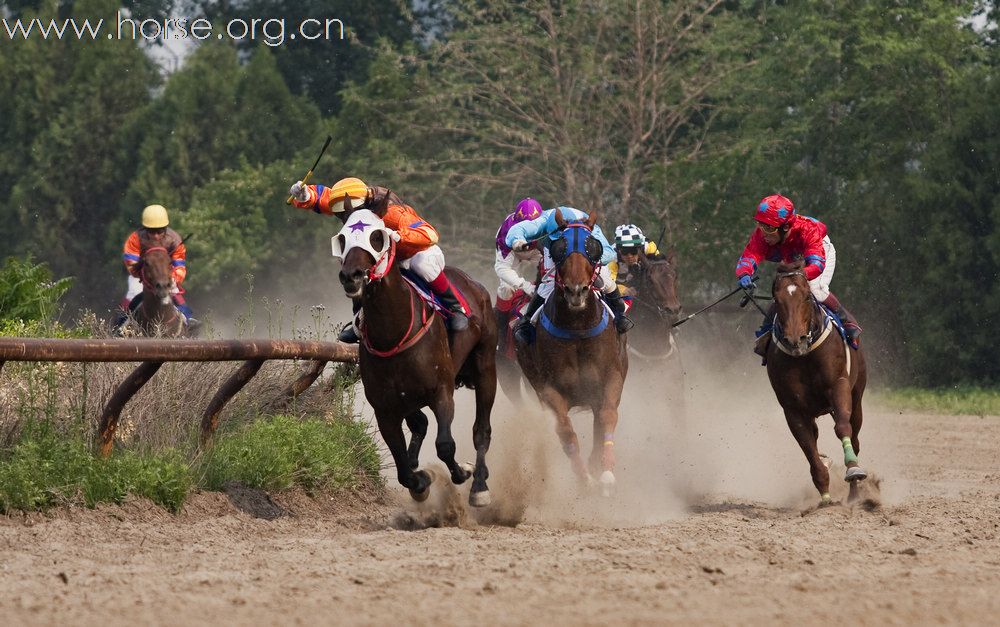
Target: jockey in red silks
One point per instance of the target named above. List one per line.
(510, 265)
(416, 240)
(782, 235)
(154, 232)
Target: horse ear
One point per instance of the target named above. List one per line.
(671, 256)
(560, 220)
(592, 219)
(381, 205)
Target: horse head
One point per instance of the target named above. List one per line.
(365, 249)
(658, 285)
(576, 255)
(795, 306)
(156, 273)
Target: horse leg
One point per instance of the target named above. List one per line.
(842, 426)
(444, 412)
(417, 423)
(602, 455)
(417, 482)
(856, 420)
(482, 431)
(564, 429)
(806, 433)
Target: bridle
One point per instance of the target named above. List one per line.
(814, 330)
(576, 235)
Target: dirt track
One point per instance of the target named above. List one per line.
(708, 526)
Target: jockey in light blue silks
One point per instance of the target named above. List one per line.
(545, 225)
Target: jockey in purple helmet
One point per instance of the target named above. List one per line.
(511, 266)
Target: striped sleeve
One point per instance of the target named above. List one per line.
(131, 252)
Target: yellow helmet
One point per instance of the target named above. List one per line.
(155, 217)
(354, 188)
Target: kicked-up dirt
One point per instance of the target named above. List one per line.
(714, 521)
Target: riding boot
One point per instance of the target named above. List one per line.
(851, 327)
(524, 332)
(503, 319)
(763, 334)
(622, 322)
(348, 334)
(459, 320)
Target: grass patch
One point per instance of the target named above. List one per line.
(959, 400)
(283, 451)
(46, 468)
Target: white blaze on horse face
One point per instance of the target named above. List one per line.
(357, 233)
(791, 289)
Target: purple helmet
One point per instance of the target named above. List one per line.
(527, 209)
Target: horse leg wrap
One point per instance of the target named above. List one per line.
(849, 456)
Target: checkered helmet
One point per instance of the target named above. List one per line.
(628, 236)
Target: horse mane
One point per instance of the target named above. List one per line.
(795, 266)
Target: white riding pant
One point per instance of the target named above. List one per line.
(820, 286)
(548, 284)
(133, 289)
(427, 264)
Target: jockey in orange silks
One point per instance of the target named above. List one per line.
(153, 232)
(782, 235)
(416, 240)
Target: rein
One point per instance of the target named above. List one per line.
(404, 343)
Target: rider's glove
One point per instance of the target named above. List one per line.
(746, 282)
(299, 191)
(520, 245)
(528, 288)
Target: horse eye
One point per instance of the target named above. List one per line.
(342, 241)
(376, 240)
(594, 249)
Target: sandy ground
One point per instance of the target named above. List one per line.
(714, 521)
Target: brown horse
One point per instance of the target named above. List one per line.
(157, 315)
(408, 361)
(655, 308)
(578, 359)
(814, 372)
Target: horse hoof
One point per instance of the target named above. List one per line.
(607, 483)
(480, 499)
(420, 497)
(855, 473)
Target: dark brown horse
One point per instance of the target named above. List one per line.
(578, 359)
(814, 372)
(157, 315)
(654, 309)
(408, 361)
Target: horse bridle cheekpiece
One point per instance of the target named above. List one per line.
(359, 232)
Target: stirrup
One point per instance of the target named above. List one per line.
(623, 323)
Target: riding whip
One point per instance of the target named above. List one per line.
(305, 179)
(682, 321)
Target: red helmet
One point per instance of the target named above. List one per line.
(775, 210)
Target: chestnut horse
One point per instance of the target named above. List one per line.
(408, 361)
(814, 372)
(156, 314)
(578, 359)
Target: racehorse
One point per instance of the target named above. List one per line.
(156, 313)
(654, 309)
(578, 359)
(408, 361)
(813, 371)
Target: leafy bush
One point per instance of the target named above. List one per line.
(46, 468)
(957, 400)
(284, 451)
(27, 291)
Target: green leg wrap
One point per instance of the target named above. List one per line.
(849, 455)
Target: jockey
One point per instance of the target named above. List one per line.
(783, 235)
(510, 263)
(154, 232)
(416, 240)
(530, 230)
(629, 240)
